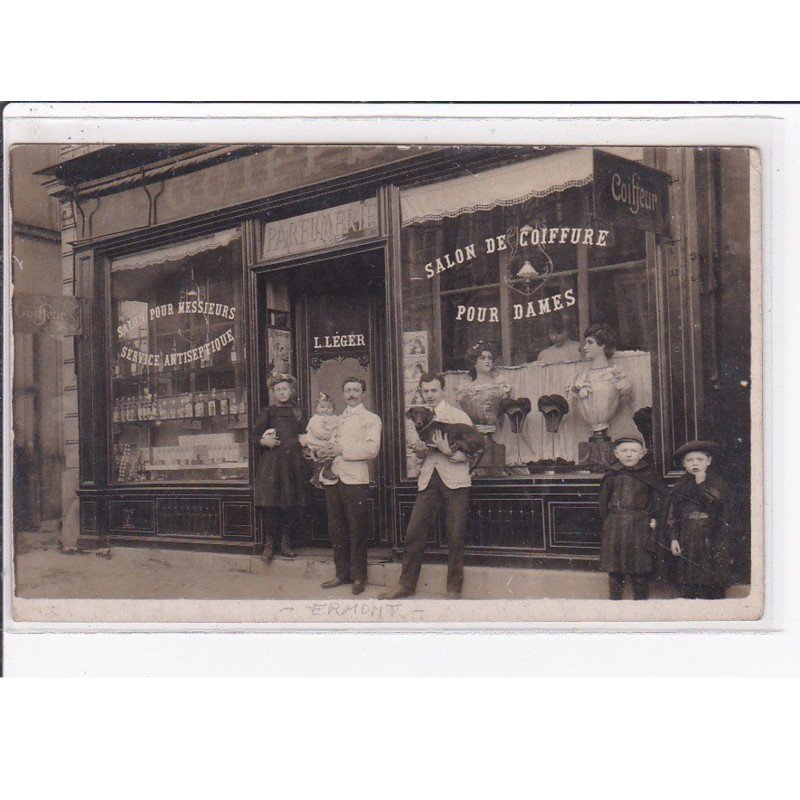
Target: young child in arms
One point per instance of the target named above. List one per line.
(321, 430)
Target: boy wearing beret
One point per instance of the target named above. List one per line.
(631, 497)
(698, 522)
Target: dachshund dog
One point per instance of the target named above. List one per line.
(459, 436)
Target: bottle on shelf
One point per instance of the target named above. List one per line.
(199, 406)
(212, 406)
(234, 356)
(188, 407)
(224, 405)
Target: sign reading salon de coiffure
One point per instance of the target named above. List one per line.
(628, 194)
(320, 229)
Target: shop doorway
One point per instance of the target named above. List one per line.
(324, 321)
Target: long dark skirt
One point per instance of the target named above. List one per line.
(626, 536)
(705, 554)
(282, 477)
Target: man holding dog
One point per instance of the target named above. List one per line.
(358, 441)
(444, 481)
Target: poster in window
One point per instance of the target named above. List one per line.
(279, 350)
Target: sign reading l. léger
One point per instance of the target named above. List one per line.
(320, 229)
(59, 315)
(628, 194)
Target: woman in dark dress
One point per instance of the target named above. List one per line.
(698, 522)
(280, 487)
(632, 496)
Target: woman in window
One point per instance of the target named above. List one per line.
(480, 397)
(281, 487)
(596, 392)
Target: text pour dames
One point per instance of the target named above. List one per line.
(528, 237)
(545, 305)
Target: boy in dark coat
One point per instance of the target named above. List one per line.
(631, 497)
(698, 522)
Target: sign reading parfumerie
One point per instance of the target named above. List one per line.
(320, 229)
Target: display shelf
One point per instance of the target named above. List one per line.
(214, 369)
(186, 467)
(234, 421)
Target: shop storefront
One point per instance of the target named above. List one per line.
(384, 264)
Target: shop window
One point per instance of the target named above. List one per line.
(513, 261)
(178, 399)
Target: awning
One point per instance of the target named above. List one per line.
(175, 252)
(504, 186)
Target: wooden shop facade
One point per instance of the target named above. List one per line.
(201, 269)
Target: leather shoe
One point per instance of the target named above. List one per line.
(332, 584)
(286, 548)
(397, 594)
(358, 587)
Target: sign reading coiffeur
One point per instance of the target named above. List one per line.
(628, 194)
(320, 229)
(53, 316)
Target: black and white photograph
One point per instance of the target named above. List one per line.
(378, 383)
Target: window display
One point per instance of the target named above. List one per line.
(509, 275)
(178, 396)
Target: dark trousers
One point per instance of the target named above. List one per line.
(348, 527)
(423, 520)
(616, 585)
(277, 523)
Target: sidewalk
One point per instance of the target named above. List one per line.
(45, 571)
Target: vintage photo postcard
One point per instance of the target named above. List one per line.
(377, 384)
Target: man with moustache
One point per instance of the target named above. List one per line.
(357, 442)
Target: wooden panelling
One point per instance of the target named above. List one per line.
(506, 522)
(574, 526)
(192, 518)
(88, 517)
(132, 515)
(237, 520)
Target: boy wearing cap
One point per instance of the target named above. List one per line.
(631, 496)
(698, 522)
